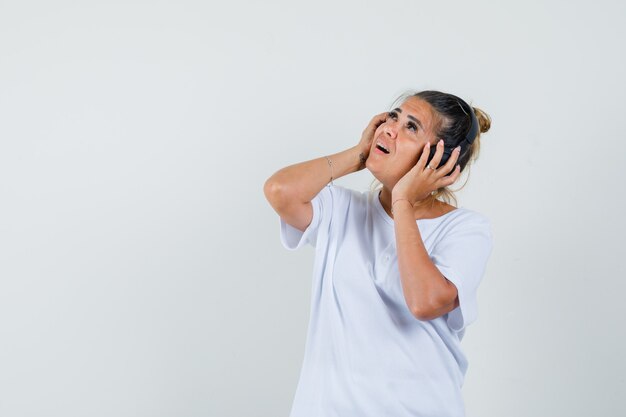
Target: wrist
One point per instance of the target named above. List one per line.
(399, 203)
(358, 157)
(397, 195)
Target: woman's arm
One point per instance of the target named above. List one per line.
(290, 190)
(427, 292)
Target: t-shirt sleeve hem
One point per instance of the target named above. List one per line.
(293, 238)
(466, 312)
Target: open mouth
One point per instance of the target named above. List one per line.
(382, 148)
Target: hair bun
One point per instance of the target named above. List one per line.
(484, 121)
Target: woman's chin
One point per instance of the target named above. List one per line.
(373, 171)
(372, 166)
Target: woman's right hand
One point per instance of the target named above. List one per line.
(368, 134)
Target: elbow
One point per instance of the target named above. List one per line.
(270, 188)
(422, 313)
(433, 302)
(430, 309)
(275, 193)
(424, 309)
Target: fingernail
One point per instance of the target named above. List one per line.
(428, 144)
(457, 149)
(440, 142)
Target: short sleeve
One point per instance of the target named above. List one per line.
(293, 238)
(461, 256)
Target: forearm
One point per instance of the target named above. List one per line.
(424, 286)
(300, 183)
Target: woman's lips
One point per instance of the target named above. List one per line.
(382, 148)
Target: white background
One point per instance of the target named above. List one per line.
(141, 272)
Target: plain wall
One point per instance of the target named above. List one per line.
(141, 272)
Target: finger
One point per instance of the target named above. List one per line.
(379, 119)
(451, 179)
(373, 125)
(449, 165)
(438, 154)
(370, 129)
(421, 162)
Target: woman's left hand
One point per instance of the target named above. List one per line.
(422, 179)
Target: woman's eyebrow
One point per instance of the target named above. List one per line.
(399, 110)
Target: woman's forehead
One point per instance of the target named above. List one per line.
(420, 110)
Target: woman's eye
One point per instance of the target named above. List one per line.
(392, 115)
(413, 127)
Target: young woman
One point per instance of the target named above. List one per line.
(396, 270)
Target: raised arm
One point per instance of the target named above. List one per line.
(428, 293)
(291, 189)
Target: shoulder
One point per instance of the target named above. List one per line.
(463, 221)
(466, 216)
(463, 236)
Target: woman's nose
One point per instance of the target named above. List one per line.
(390, 129)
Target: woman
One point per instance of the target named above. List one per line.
(396, 270)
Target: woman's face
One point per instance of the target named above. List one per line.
(399, 141)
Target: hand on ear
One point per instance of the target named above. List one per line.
(427, 176)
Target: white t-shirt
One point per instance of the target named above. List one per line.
(366, 354)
